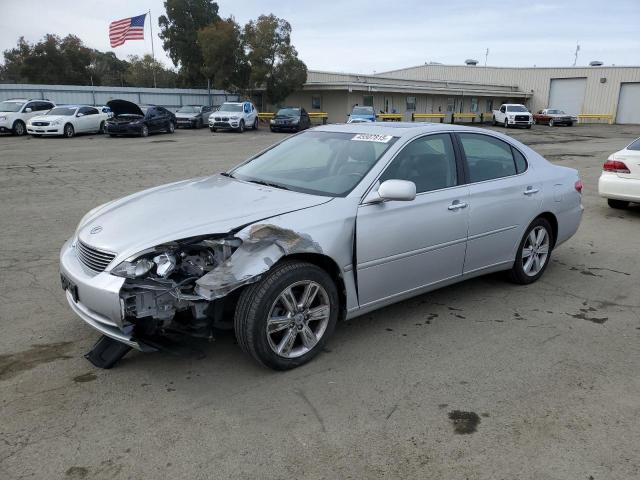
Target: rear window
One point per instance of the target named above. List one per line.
(635, 145)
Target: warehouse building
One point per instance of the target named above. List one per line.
(448, 89)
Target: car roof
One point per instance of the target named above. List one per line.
(395, 129)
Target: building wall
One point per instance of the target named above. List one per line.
(599, 97)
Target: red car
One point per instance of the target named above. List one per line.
(551, 117)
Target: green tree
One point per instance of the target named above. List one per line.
(14, 61)
(107, 69)
(273, 60)
(140, 72)
(179, 33)
(222, 55)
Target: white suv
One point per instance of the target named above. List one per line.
(14, 113)
(234, 116)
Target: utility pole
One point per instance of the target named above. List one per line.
(575, 58)
(486, 54)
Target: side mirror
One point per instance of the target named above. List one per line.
(28, 110)
(400, 190)
(79, 114)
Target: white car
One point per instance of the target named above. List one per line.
(234, 116)
(67, 120)
(15, 113)
(620, 179)
(512, 115)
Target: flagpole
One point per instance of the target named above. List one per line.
(153, 53)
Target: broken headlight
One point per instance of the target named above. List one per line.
(190, 258)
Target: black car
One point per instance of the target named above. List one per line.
(193, 116)
(131, 119)
(291, 119)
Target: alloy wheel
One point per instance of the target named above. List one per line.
(298, 319)
(19, 129)
(68, 131)
(535, 251)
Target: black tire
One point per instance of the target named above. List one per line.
(255, 304)
(101, 129)
(200, 124)
(528, 126)
(551, 122)
(506, 123)
(144, 132)
(618, 204)
(112, 135)
(19, 128)
(241, 126)
(493, 122)
(213, 129)
(255, 124)
(517, 273)
(68, 131)
(170, 127)
(570, 124)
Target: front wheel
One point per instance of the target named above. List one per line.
(69, 131)
(619, 204)
(506, 123)
(551, 123)
(570, 124)
(171, 127)
(19, 128)
(255, 124)
(145, 131)
(284, 320)
(241, 126)
(533, 253)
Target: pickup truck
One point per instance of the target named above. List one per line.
(512, 115)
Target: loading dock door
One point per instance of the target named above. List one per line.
(567, 94)
(629, 103)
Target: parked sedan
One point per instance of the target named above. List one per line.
(620, 179)
(328, 224)
(68, 120)
(130, 119)
(193, 116)
(290, 119)
(552, 116)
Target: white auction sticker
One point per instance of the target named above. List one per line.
(368, 137)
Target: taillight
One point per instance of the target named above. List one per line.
(615, 166)
(578, 185)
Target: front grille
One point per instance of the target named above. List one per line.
(40, 124)
(522, 118)
(96, 260)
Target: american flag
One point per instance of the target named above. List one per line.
(131, 28)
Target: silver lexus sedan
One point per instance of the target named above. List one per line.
(326, 225)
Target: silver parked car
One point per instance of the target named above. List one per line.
(193, 116)
(327, 225)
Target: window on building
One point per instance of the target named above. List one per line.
(411, 103)
(489, 106)
(474, 104)
(316, 102)
(451, 104)
(367, 100)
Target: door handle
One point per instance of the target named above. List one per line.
(457, 205)
(531, 191)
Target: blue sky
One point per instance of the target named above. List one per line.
(367, 36)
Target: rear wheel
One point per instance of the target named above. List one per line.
(68, 131)
(621, 204)
(19, 128)
(284, 320)
(533, 253)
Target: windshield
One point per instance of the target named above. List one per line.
(635, 145)
(10, 106)
(362, 111)
(516, 108)
(555, 112)
(321, 163)
(66, 111)
(289, 112)
(188, 109)
(231, 107)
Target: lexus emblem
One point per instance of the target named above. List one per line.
(96, 229)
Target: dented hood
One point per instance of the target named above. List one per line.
(184, 209)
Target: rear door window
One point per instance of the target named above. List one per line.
(487, 157)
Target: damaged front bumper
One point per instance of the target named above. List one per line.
(95, 298)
